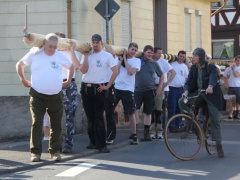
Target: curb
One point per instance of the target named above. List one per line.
(64, 159)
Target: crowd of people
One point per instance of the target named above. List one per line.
(147, 82)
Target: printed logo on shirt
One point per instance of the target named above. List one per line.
(54, 65)
(181, 72)
(99, 63)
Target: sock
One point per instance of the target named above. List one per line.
(146, 127)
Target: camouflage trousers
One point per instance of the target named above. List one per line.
(70, 102)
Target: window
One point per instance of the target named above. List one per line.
(217, 5)
(223, 48)
(198, 32)
(126, 23)
(188, 32)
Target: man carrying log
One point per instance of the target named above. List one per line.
(45, 93)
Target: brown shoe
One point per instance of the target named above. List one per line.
(146, 135)
(35, 157)
(56, 157)
(104, 150)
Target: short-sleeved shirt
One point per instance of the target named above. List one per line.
(165, 67)
(67, 54)
(145, 78)
(233, 81)
(98, 65)
(109, 74)
(181, 74)
(125, 81)
(46, 71)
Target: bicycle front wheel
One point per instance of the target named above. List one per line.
(209, 144)
(184, 142)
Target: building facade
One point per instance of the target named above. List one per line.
(225, 31)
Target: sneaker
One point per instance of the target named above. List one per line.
(91, 146)
(220, 151)
(153, 136)
(229, 119)
(55, 157)
(46, 138)
(67, 149)
(104, 150)
(135, 141)
(109, 142)
(35, 157)
(159, 136)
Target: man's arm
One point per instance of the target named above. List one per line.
(160, 74)
(109, 49)
(236, 74)
(131, 71)
(20, 71)
(69, 78)
(170, 78)
(84, 66)
(74, 59)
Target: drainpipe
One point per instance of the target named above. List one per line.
(218, 10)
(69, 20)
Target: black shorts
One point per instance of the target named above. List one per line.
(127, 98)
(235, 91)
(148, 100)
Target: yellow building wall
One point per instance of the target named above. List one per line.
(176, 25)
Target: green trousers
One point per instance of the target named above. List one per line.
(39, 104)
(212, 110)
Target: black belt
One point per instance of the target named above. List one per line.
(73, 79)
(176, 87)
(89, 85)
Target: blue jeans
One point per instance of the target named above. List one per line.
(173, 108)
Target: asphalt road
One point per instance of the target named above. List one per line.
(148, 160)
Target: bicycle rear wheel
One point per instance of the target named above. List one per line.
(209, 144)
(185, 142)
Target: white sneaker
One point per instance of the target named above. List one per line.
(159, 136)
(152, 136)
(46, 138)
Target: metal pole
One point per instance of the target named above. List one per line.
(107, 21)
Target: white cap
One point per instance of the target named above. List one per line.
(209, 56)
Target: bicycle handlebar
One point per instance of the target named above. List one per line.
(185, 100)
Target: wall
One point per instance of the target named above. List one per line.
(175, 19)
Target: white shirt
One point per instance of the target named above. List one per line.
(181, 74)
(165, 67)
(67, 54)
(109, 74)
(232, 81)
(98, 64)
(125, 81)
(46, 71)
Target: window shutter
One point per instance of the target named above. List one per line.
(198, 32)
(188, 32)
(126, 30)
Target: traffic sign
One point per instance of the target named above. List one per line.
(113, 7)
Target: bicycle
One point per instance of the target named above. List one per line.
(186, 142)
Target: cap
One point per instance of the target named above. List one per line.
(96, 37)
(209, 56)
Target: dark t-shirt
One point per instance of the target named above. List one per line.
(144, 79)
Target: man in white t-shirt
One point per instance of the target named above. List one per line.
(156, 127)
(125, 85)
(70, 95)
(45, 93)
(176, 89)
(231, 77)
(94, 67)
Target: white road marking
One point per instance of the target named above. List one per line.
(77, 169)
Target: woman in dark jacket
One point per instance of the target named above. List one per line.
(205, 76)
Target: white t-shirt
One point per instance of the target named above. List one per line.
(181, 74)
(109, 74)
(67, 54)
(46, 71)
(232, 81)
(98, 64)
(125, 81)
(165, 67)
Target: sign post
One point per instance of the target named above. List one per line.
(107, 9)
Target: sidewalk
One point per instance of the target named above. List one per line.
(15, 156)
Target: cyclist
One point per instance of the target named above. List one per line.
(205, 76)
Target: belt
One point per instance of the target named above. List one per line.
(73, 79)
(89, 85)
(176, 87)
